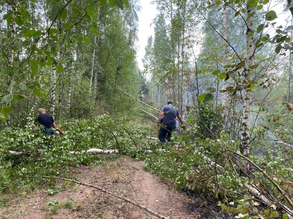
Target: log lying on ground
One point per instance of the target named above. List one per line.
(20, 153)
(95, 151)
(91, 151)
(151, 138)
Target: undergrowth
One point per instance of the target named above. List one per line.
(213, 169)
(21, 174)
(209, 167)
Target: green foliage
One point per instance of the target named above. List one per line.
(101, 132)
(209, 121)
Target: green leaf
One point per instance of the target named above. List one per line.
(7, 98)
(53, 30)
(208, 97)
(55, 11)
(102, 2)
(7, 109)
(17, 97)
(250, 34)
(91, 12)
(64, 14)
(201, 97)
(29, 33)
(250, 86)
(94, 30)
(51, 43)
(216, 72)
(34, 67)
(37, 92)
(222, 76)
(125, 2)
(22, 86)
(278, 48)
(254, 66)
(112, 3)
(87, 41)
(49, 61)
(7, 70)
(271, 15)
(211, 89)
(260, 28)
(259, 7)
(119, 3)
(252, 3)
(59, 67)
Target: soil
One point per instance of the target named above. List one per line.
(123, 177)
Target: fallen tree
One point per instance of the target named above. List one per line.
(91, 151)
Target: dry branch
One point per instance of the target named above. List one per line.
(139, 100)
(110, 193)
(252, 189)
(150, 114)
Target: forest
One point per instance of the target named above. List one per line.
(226, 64)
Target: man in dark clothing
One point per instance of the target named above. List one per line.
(48, 122)
(168, 125)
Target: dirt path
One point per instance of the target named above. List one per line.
(124, 177)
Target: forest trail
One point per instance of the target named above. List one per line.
(123, 177)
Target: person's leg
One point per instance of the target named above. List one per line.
(50, 132)
(162, 135)
(171, 128)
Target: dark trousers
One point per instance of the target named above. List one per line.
(166, 132)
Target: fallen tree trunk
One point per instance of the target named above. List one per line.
(91, 151)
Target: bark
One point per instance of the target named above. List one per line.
(53, 90)
(225, 36)
(96, 83)
(247, 93)
(290, 7)
(70, 87)
(12, 53)
(289, 82)
(93, 66)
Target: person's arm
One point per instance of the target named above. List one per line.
(57, 128)
(181, 121)
(159, 119)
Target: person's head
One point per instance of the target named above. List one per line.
(42, 111)
(170, 102)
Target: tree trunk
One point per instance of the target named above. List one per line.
(69, 87)
(247, 93)
(53, 90)
(225, 36)
(290, 7)
(93, 67)
(289, 82)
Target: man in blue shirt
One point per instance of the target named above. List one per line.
(48, 122)
(167, 121)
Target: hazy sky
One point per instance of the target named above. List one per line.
(146, 17)
(148, 13)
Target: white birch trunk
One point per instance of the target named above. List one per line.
(53, 90)
(69, 87)
(247, 94)
(11, 56)
(225, 28)
(96, 85)
(93, 67)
